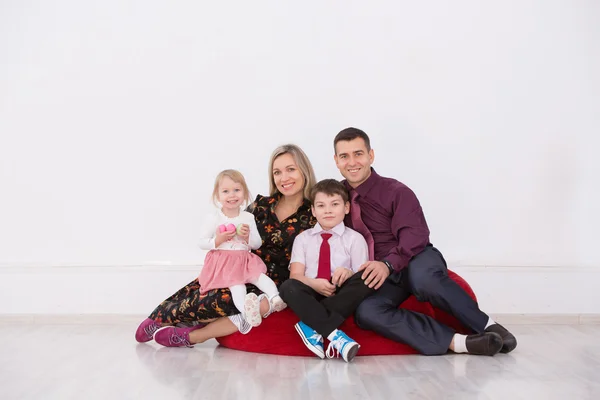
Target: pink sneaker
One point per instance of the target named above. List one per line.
(170, 336)
(145, 332)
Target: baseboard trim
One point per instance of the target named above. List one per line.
(120, 319)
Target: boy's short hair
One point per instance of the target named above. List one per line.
(330, 187)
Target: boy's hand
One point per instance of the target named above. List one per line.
(244, 232)
(375, 273)
(340, 275)
(322, 286)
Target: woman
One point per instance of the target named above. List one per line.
(280, 217)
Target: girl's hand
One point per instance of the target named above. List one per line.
(322, 286)
(340, 275)
(222, 237)
(244, 232)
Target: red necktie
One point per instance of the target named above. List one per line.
(359, 225)
(324, 258)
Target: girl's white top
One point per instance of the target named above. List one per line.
(208, 232)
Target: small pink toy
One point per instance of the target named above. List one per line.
(226, 228)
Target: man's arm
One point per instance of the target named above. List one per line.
(408, 227)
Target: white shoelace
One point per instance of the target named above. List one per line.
(150, 329)
(317, 337)
(335, 346)
(177, 339)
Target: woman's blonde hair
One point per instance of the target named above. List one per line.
(235, 176)
(303, 164)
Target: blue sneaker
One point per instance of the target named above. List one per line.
(311, 338)
(344, 345)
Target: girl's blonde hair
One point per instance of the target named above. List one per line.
(235, 176)
(301, 161)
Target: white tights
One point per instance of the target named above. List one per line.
(263, 282)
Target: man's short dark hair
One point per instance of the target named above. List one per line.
(349, 134)
(330, 187)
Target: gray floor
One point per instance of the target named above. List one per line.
(104, 362)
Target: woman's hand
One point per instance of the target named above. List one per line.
(340, 275)
(222, 237)
(323, 287)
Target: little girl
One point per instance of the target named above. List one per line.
(229, 234)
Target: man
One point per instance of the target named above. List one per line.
(403, 262)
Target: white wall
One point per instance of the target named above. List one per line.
(115, 118)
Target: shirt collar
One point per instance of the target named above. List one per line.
(364, 188)
(338, 229)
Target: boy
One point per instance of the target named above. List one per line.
(325, 286)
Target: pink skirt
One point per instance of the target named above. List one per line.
(225, 268)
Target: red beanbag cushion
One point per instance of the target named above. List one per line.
(276, 334)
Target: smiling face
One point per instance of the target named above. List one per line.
(354, 160)
(287, 176)
(231, 194)
(329, 210)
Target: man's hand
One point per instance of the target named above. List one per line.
(322, 286)
(375, 273)
(244, 232)
(340, 275)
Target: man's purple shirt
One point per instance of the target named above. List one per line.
(395, 218)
